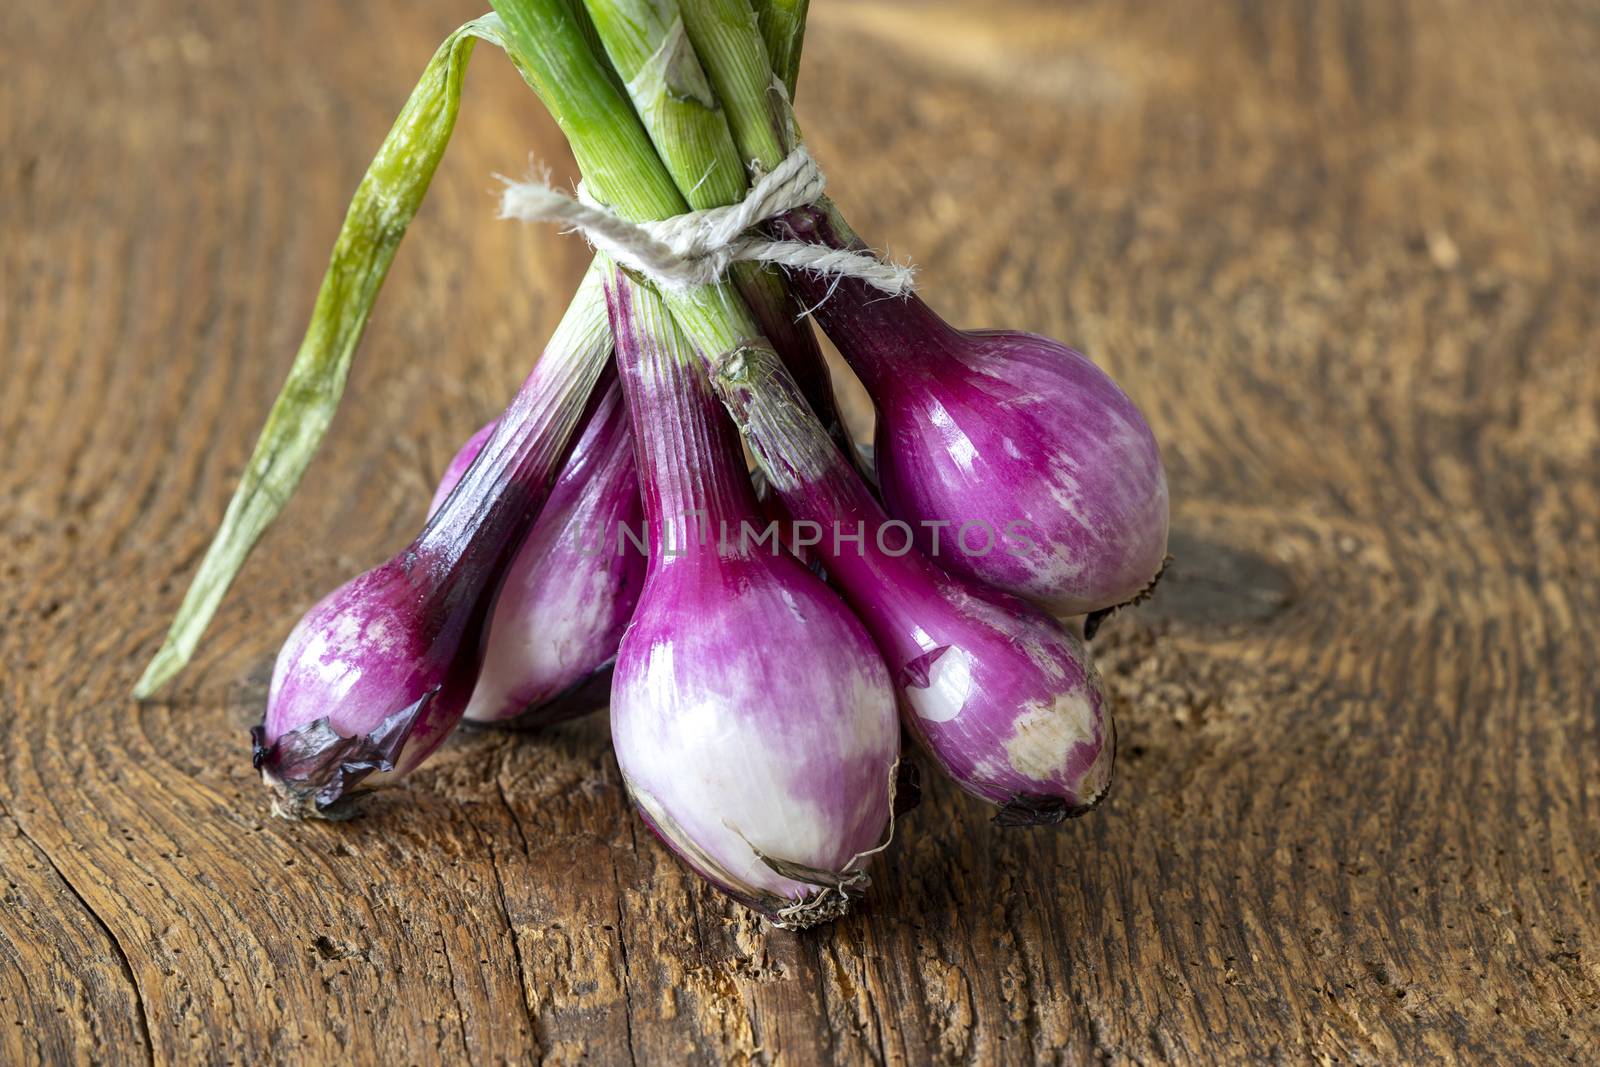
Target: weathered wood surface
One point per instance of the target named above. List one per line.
(1343, 253)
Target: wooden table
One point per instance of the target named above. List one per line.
(1344, 254)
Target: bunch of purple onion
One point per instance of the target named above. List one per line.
(768, 632)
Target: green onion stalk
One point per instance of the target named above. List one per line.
(728, 39)
(783, 28)
(380, 211)
(688, 124)
(649, 48)
(549, 42)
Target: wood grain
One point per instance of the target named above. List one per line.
(1344, 255)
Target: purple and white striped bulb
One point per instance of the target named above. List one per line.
(753, 719)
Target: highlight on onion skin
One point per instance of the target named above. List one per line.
(1003, 697)
(570, 591)
(752, 717)
(1020, 440)
(377, 673)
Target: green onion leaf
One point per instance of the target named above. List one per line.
(383, 206)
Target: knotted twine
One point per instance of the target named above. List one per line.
(698, 247)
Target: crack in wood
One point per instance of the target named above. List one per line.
(141, 1014)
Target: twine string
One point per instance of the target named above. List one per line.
(698, 247)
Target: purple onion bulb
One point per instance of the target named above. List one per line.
(379, 671)
(570, 591)
(1002, 696)
(367, 682)
(753, 719)
(1018, 462)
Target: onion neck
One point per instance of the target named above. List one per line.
(477, 529)
(817, 482)
(783, 323)
(884, 338)
(691, 475)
